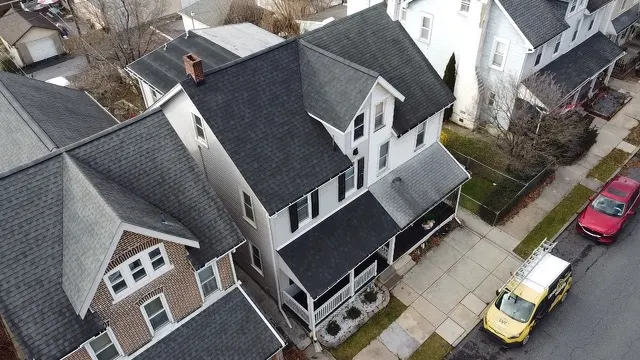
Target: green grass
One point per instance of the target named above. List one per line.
(634, 136)
(554, 221)
(435, 348)
(477, 188)
(476, 148)
(608, 165)
(370, 330)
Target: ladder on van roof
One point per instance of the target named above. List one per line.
(530, 263)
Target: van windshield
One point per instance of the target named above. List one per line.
(515, 307)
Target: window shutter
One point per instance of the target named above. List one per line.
(293, 216)
(360, 172)
(314, 204)
(341, 186)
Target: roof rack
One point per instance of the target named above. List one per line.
(530, 263)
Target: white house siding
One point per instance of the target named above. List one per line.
(452, 32)
(227, 181)
(147, 94)
(13, 52)
(190, 23)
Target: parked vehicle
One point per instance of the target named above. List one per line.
(609, 211)
(537, 287)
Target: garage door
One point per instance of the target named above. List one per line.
(42, 49)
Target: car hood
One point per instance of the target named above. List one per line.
(503, 324)
(597, 221)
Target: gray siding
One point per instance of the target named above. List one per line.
(227, 181)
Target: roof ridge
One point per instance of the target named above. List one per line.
(338, 58)
(338, 21)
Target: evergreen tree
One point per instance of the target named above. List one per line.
(450, 80)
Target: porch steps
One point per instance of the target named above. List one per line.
(389, 277)
(403, 265)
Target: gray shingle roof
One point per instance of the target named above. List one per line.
(144, 156)
(370, 39)
(256, 110)
(324, 254)
(626, 19)
(229, 329)
(36, 117)
(594, 5)
(424, 181)
(582, 62)
(209, 12)
(321, 71)
(164, 68)
(538, 20)
(15, 23)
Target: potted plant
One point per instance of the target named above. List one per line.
(428, 221)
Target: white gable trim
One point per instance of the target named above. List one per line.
(527, 42)
(261, 315)
(326, 123)
(167, 96)
(385, 84)
(160, 235)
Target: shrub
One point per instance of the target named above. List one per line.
(353, 313)
(370, 296)
(450, 79)
(333, 328)
(6, 64)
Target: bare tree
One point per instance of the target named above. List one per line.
(531, 123)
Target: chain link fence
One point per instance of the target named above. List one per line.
(492, 194)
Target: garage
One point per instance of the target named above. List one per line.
(42, 49)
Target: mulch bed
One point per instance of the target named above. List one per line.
(291, 352)
(7, 350)
(528, 199)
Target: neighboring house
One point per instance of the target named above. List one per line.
(37, 118)
(161, 69)
(29, 37)
(323, 17)
(620, 21)
(116, 247)
(204, 14)
(508, 40)
(325, 151)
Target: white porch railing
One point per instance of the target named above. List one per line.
(296, 307)
(365, 276)
(333, 303)
(384, 251)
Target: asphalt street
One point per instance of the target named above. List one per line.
(600, 318)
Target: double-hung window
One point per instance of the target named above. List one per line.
(491, 99)
(117, 282)
(198, 126)
(247, 208)
(593, 21)
(358, 127)
(157, 258)
(420, 135)
(349, 179)
(576, 31)
(156, 313)
(556, 46)
(379, 116)
(256, 258)
(465, 5)
(383, 156)
(499, 53)
(302, 206)
(103, 347)
(425, 27)
(208, 280)
(573, 6)
(403, 14)
(137, 270)
(538, 55)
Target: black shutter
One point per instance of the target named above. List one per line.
(314, 204)
(360, 172)
(293, 216)
(341, 186)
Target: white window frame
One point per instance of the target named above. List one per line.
(573, 6)
(507, 43)
(491, 99)
(558, 43)
(166, 309)
(430, 28)
(244, 209)
(355, 180)
(202, 140)
(253, 264)
(539, 52)
(375, 115)
(386, 166)
(357, 141)
(214, 265)
(421, 129)
(403, 14)
(592, 22)
(576, 33)
(623, 5)
(465, 3)
(155, 95)
(300, 221)
(113, 339)
(132, 285)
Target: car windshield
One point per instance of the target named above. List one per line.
(515, 307)
(608, 206)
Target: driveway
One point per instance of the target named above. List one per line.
(599, 320)
(64, 66)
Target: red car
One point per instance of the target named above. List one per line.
(609, 211)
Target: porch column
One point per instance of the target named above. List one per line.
(609, 71)
(312, 316)
(352, 281)
(455, 212)
(593, 84)
(392, 246)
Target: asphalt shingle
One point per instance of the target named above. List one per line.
(539, 20)
(15, 23)
(626, 19)
(594, 5)
(229, 329)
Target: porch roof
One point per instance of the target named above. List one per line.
(326, 253)
(626, 19)
(581, 63)
(417, 185)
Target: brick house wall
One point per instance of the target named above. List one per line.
(178, 285)
(79, 354)
(225, 271)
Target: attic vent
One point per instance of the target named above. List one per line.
(396, 180)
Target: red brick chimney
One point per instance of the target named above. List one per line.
(193, 67)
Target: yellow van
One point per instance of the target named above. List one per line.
(529, 295)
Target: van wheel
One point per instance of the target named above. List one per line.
(525, 341)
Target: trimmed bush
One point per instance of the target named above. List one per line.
(353, 313)
(450, 79)
(370, 296)
(333, 328)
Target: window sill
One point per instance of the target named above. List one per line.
(257, 269)
(463, 13)
(139, 285)
(202, 142)
(376, 129)
(382, 172)
(419, 147)
(360, 140)
(494, 67)
(424, 41)
(251, 222)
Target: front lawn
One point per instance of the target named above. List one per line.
(435, 348)
(634, 136)
(370, 330)
(608, 165)
(477, 148)
(554, 221)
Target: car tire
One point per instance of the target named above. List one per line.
(525, 341)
